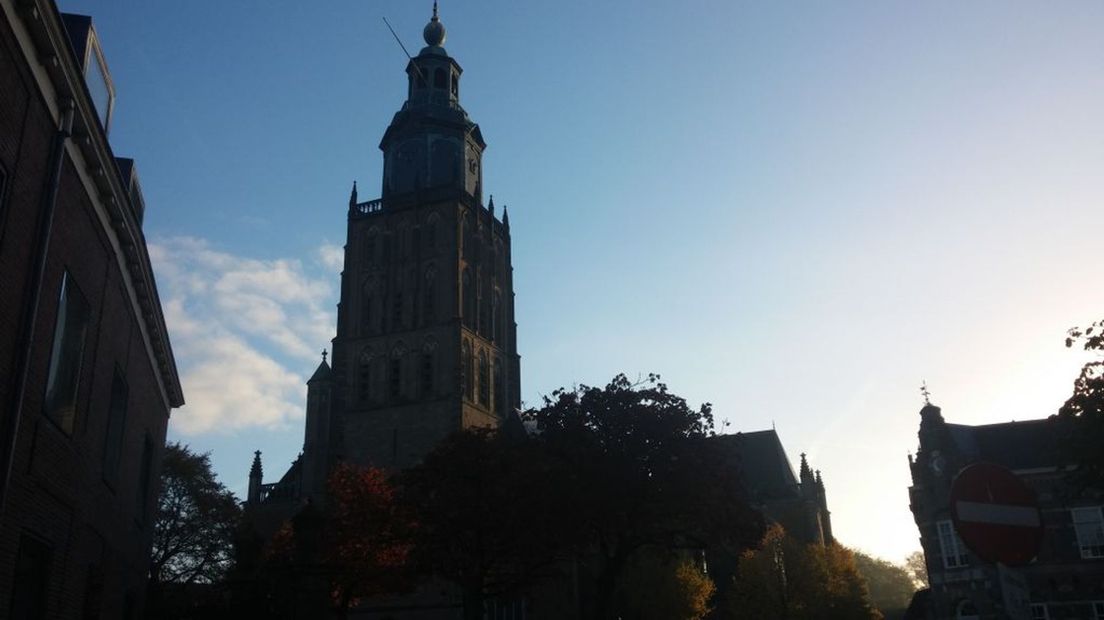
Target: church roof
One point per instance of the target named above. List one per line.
(764, 468)
(323, 373)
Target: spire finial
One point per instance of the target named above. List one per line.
(353, 195)
(324, 356)
(434, 33)
(925, 393)
(434, 9)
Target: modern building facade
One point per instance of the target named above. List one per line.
(1066, 579)
(87, 376)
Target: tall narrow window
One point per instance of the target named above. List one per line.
(370, 247)
(397, 310)
(1098, 610)
(366, 315)
(469, 299)
(1089, 526)
(484, 379)
(496, 319)
(116, 423)
(499, 388)
(1039, 611)
(439, 79)
(70, 332)
(485, 312)
(427, 374)
(455, 85)
(364, 377)
(144, 472)
(32, 579)
(467, 377)
(395, 376)
(429, 297)
(952, 549)
(430, 235)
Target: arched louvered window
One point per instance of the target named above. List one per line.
(440, 79)
(484, 379)
(395, 375)
(467, 376)
(427, 368)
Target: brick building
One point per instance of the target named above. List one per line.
(87, 377)
(1066, 579)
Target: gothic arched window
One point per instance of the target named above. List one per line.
(364, 376)
(466, 237)
(469, 299)
(426, 370)
(499, 388)
(430, 233)
(484, 379)
(429, 296)
(397, 309)
(467, 377)
(496, 317)
(370, 246)
(395, 374)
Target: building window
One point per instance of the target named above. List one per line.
(1090, 531)
(952, 549)
(496, 319)
(1039, 611)
(429, 298)
(499, 389)
(467, 377)
(70, 332)
(484, 379)
(469, 299)
(32, 579)
(116, 423)
(144, 474)
(397, 310)
(364, 379)
(455, 85)
(427, 374)
(439, 79)
(1098, 610)
(396, 376)
(370, 247)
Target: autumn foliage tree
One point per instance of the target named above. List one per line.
(891, 585)
(785, 578)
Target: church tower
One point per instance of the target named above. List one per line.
(426, 340)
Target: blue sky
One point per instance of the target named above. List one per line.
(795, 211)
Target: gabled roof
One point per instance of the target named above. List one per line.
(322, 373)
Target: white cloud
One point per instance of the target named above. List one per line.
(332, 256)
(245, 332)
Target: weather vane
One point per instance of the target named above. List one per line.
(925, 393)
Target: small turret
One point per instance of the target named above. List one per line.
(256, 474)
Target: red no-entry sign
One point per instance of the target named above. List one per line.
(996, 515)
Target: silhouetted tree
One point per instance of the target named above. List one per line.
(635, 466)
(891, 586)
(917, 569)
(785, 578)
(487, 518)
(1084, 411)
(193, 530)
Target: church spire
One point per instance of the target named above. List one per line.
(353, 196)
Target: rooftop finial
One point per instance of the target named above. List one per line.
(925, 393)
(434, 33)
(353, 196)
(324, 354)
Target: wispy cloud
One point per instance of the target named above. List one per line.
(244, 330)
(332, 256)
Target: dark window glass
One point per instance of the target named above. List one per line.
(484, 380)
(467, 377)
(396, 377)
(397, 310)
(429, 295)
(439, 78)
(370, 248)
(499, 388)
(496, 318)
(32, 578)
(366, 313)
(70, 332)
(455, 85)
(365, 379)
(144, 474)
(427, 373)
(116, 422)
(430, 236)
(469, 299)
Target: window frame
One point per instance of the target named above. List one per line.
(956, 557)
(1036, 608)
(116, 421)
(69, 294)
(1089, 550)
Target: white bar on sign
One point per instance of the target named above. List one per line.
(998, 514)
